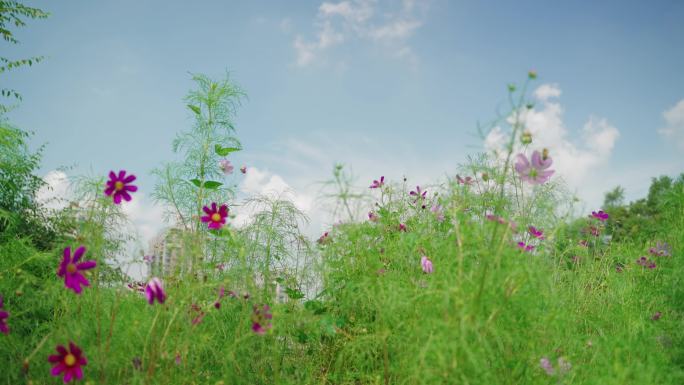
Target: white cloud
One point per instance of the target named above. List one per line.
(581, 163)
(360, 19)
(264, 183)
(674, 119)
(54, 194)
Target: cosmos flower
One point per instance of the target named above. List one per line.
(402, 227)
(216, 216)
(426, 264)
(661, 250)
(226, 167)
(71, 269)
(535, 232)
(534, 172)
(324, 239)
(546, 364)
(464, 181)
(600, 215)
(418, 194)
(657, 316)
(645, 262)
(438, 211)
(155, 290)
(261, 319)
(69, 363)
(378, 183)
(3, 318)
(119, 186)
(373, 217)
(525, 247)
(243, 169)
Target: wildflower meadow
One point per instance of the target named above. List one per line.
(491, 274)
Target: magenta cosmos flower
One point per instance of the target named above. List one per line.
(119, 186)
(534, 171)
(600, 215)
(418, 194)
(71, 269)
(155, 290)
(426, 264)
(535, 232)
(226, 167)
(464, 181)
(525, 247)
(3, 319)
(261, 319)
(68, 362)
(216, 216)
(378, 183)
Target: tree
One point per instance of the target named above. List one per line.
(614, 197)
(15, 14)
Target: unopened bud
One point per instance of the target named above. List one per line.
(526, 137)
(532, 74)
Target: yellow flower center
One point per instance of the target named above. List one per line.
(71, 268)
(70, 360)
(545, 153)
(118, 185)
(216, 217)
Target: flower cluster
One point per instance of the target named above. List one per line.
(3, 318)
(661, 250)
(261, 319)
(645, 262)
(564, 366)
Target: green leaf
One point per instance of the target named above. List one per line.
(317, 307)
(294, 293)
(212, 185)
(223, 151)
(196, 182)
(195, 109)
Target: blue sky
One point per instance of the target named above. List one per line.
(389, 87)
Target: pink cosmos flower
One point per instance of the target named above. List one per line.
(402, 227)
(661, 250)
(323, 239)
(261, 319)
(71, 269)
(464, 181)
(657, 316)
(378, 183)
(226, 167)
(535, 232)
(426, 264)
(525, 247)
(119, 186)
(645, 262)
(600, 215)
(243, 169)
(546, 364)
(68, 362)
(534, 172)
(216, 216)
(372, 216)
(438, 211)
(3, 319)
(155, 290)
(593, 230)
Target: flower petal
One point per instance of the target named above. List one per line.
(78, 254)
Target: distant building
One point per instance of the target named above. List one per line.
(166, 251)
